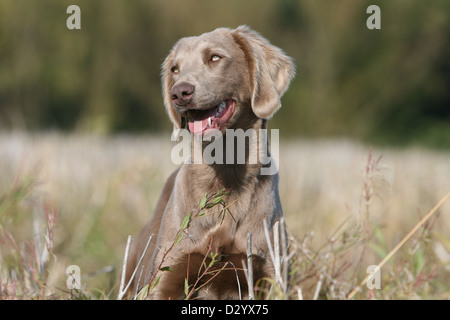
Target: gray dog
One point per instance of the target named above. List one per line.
(225, 79)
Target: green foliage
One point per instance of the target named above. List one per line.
(385, 86)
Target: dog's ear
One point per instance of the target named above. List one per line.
(167, 84)
(271, 71)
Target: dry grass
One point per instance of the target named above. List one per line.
(74, 199)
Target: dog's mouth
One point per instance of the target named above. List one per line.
(200, 121)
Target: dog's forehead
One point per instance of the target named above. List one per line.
(219, 38)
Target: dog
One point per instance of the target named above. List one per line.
(222, 80)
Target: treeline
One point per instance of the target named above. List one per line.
(384, 86)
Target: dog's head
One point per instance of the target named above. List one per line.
(210, 80)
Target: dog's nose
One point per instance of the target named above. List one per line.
(182, 93)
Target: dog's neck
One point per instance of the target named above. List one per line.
(231, 172)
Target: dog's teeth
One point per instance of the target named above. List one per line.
(222, 105)
(209, 122)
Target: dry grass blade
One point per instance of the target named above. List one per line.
(123, 290)
(279, 256)
(322, 271)
(124, 268)
(249, 273)
(275, 260)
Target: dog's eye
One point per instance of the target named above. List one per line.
(215, 58)
(175, 70)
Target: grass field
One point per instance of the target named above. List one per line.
(74, 199)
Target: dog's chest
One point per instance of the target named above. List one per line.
(215, 232)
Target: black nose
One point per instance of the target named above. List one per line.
(182, 93)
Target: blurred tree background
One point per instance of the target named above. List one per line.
(388, 86)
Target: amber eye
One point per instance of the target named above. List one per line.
(215, 58)
(175, 70)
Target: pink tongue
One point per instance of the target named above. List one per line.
(198, 126)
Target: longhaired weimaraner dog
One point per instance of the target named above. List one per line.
(224, 79)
